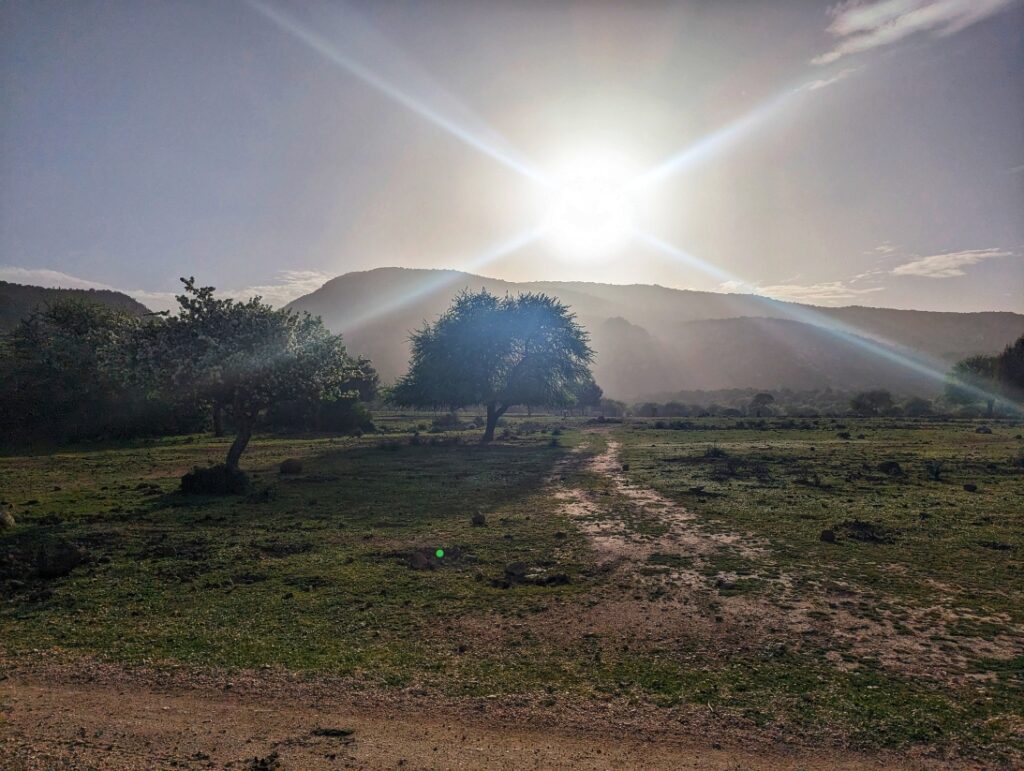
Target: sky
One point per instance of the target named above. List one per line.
(866, 153)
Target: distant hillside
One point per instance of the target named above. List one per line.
(651, 339)
(19, 300)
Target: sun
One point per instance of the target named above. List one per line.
(589, 212)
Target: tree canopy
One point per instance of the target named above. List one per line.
(497, 352)
(242, 357)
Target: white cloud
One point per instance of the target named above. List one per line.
(949, 264)
(814, 85)
(290, 285)
(826, 293)
(734, 286)
(859, 26)
(46, 277)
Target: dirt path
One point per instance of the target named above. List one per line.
(93, 715)
(659, 548)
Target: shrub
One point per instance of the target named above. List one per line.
(449, 420)
(291, 466)
(215, 480)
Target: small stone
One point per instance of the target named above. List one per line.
(828, 536)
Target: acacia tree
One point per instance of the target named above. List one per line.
(759, 402)
(497, 352)
(57, 373)
(871, 403)
(242, 357)
(1009, 370)
(972, 380)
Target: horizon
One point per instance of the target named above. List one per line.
(855, 155)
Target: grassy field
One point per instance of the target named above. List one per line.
(784, 576)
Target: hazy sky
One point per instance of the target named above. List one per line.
(839, 153)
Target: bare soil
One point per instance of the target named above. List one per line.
(87, 714)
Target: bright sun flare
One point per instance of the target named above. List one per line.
(590, 214)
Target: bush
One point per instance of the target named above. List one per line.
(215, 480)
(448, 421)
(291, 466)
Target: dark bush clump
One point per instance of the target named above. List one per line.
(215, 480)
(890, 467)
(291, 466)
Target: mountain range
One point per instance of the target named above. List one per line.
(652, 339)
(18, 301)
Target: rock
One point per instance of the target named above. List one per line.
(971, 488)
(983, 430)
(478, 519)
(418, 560)
(291, 466)
(828, 536)
(515, 572)
(58, 559)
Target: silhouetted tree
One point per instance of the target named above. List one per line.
(972, 380)
(916, 407)
(588, 394)
(497, 352)
(242, 356)
(1009, 370)
(759, 402)
(871, 403)
(62, 376)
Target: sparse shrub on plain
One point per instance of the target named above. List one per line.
(215, 480)
(934, 469)
(291, 466)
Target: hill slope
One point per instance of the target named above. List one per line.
(19, 300)
(651, 338)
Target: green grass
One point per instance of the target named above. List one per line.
(312, 573)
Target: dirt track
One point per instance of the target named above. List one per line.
(130, 719)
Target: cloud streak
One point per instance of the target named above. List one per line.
(949, 264)
(825, 293)
(861, 26)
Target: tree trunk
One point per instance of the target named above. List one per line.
(218, 420)
(989, 407)
(238, 446)
(494, 412)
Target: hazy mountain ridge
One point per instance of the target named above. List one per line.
(17, 301)
(650, 338)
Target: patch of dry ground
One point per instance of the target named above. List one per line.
(85, 714)
(668, 593)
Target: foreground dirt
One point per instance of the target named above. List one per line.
(86, 714)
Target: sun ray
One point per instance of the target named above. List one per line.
(494, 252)
(359, 70)
(929, 367)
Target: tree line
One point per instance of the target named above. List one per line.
(75, 370)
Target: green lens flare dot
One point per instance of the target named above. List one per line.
(439, 553)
